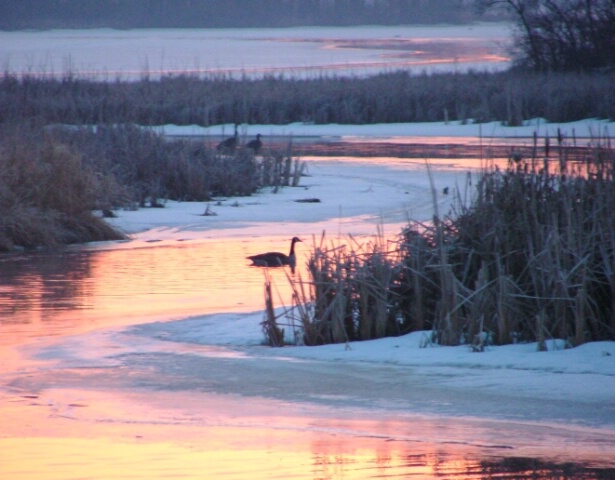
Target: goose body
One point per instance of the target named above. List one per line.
(277, 259)
(256, 144)
(230, 143)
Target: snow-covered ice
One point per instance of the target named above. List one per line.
(421, 131)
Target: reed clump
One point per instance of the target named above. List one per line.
(274, 335)
(531, 256)
(350, 294)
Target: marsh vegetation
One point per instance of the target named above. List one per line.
(526, 254)
(121, 164)
(390, 97)
(56, 184)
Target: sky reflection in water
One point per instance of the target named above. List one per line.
(134, 435)
(305, 52)
(73, 290)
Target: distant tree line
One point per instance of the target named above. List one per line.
(228, 13)
(561, 35)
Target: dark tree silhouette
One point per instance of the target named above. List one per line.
(561, 35)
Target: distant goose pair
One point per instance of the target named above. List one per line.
(277, 259)
(230, 144)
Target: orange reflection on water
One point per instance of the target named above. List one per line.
(102, 458)
(185, 278)
(63, 434)
(122, 284)
(471, 153)
(104, 437)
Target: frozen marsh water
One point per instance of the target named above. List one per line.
(307, 51)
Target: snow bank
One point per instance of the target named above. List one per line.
(586, 372)
(591, 128)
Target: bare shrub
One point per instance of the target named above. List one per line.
(46, 195)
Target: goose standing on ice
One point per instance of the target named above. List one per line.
(256, 144)
(277, 259)
(230, 143)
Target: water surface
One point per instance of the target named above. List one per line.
(307, 51)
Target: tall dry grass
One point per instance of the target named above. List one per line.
(348, 296)
(156, 168)
(530, 256)
(533, 253)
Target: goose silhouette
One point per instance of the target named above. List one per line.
(277, 259)
(230, 143)
(256, 144)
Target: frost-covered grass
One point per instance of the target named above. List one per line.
(52, 180)
(390, 97)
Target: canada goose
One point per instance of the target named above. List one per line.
(277, 259)
(255, 144)
(230, 143)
